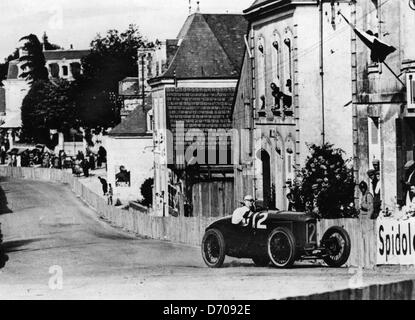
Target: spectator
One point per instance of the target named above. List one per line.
(104, 185)
(110, 194)
(92, 161)
(85, 167)
(366, 201)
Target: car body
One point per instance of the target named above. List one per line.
(280, 237)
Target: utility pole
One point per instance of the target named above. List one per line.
(323, 129)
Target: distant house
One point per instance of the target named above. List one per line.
(64, 64)
(130, 147)
(193, 97)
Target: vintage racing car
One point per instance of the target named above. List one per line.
(280, 237)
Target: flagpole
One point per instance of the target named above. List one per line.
(396, 76)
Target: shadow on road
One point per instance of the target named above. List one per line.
(3, 201)
(13, 246)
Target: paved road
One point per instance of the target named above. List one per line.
(46, 225)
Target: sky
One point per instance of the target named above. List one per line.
(77, 22)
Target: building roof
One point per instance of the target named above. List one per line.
(65, 54)
(199, 108)
(259, 3)
(2, 100)
(135, 125)
(211, 46)
(13, 70)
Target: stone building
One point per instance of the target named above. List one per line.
(384, 105)
(282, 102)
(129, 145)
(196, 93)
(63, 64)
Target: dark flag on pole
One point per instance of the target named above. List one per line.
(379, 49)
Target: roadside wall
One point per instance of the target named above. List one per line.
(188, 230)
(404, 290)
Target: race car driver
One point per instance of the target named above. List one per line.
(241, 215)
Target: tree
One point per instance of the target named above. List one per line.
(112, 58)
(47, 45)
(47, 105)
(34, 61)
(326, 184)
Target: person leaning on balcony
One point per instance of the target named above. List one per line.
(366, 201)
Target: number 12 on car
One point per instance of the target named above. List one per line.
(258, 220)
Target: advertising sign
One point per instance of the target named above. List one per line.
(396, 241)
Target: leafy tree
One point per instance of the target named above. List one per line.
(112, 58)
(34, 62)
(326, 184)
(147, 192)
(47, 105)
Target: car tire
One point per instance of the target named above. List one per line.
(213, 248)
(340, 252)
(261, 261)
(284, 238)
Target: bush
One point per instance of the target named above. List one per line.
(147, 192)
(326, 184)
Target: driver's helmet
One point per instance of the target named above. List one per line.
(248, 198)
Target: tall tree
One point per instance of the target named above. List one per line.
(47, 105)
(48, 45)
(112, 58)
(34, 61)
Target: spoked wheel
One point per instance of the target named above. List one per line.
(261, 261)
(281, 247)
(336, 241)
(213, 248)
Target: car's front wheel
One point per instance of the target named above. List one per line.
(281, 247)
(336, 241)
(213, 248)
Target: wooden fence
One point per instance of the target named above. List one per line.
(188, 230)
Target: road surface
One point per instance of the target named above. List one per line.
(58, 249)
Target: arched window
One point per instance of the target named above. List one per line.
(260, 50)
(289, 159)
(150, 121)
(65, 71)
(276, 49)
(287, 48)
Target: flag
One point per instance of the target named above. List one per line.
(379, 49)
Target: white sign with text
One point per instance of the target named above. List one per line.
(396, 241)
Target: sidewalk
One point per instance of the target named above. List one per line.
(93, 183)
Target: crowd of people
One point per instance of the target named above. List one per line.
(42, 157)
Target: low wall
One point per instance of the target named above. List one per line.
(184, 229)
(403, 290)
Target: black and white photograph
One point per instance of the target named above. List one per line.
(218, 152)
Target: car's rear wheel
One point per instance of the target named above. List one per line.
(336, 241)
(213, 248)
(281, 247)
(261, 261)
